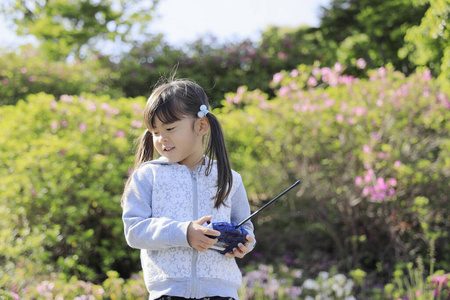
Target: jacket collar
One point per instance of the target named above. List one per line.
(164, 161)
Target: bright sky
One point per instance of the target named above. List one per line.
(184, 21)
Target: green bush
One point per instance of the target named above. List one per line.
(62, 167)
(28, 71)
(373, 156)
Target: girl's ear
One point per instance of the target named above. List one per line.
(202, 126)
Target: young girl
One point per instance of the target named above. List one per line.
(166, 201)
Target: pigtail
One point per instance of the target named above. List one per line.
(216, 150)
(144, 153)
(145, 149)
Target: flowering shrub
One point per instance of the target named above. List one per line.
(416, 285)
(30, 72)
(58, 288)
(62, 167)
(373, 156)
(266, 283)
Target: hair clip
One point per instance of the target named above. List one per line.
(203, 111)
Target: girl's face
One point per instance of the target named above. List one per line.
(181, 141)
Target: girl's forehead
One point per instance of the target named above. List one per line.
(157, 122)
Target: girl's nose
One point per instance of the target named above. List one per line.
(164, 137)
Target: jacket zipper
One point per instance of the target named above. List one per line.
(195, 251)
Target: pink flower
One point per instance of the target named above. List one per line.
(383, 155)
(340, 118)
(366, 149)
(359, 111)
(375, 136)
(443, 100)
(440, 280)
(120, 133)
(83, 127)
(351, 121)
(62, 152)
(361, 63)
(338, 67)
(284, 90)
(344, 106)
(426, 75)
(236, 99)
(5, 80)
(294, 73)
(312, 81)
(326, 71)
(391, 192)
(240, 90)
(31, 79)
(329, 103)
(382, 72)
(105, 106)
(53, 105)
(392, 181)
(33, 192)
(315, 71)
(137, 109)
(64, 123)
(23, 70)
(381, 184)
(366, 191)
(66, 98)
(54, 125)
(282, 55)
(397, 164)
(277, 77)
(136, 123)
(358, 180)
(379, 103)
(293, 86)
(91, 106)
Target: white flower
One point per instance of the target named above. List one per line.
(340, 279)
(323, 275)
(311, 284)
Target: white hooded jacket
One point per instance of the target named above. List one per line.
(160, 202)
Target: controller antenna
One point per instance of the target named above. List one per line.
(270, 202)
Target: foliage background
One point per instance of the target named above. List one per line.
(357, 108)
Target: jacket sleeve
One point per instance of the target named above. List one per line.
(240, 209)
(141, 230)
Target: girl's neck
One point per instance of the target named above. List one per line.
(201, 161)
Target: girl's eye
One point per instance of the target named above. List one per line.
(170, 129)
(155, 133)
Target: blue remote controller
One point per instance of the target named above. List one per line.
(231, 234)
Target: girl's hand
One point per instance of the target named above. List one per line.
(242, 248)
(196, 234)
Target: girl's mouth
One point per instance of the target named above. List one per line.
(168, 149)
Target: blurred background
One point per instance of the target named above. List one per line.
(350, 96)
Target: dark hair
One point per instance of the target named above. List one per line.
(171, 102)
